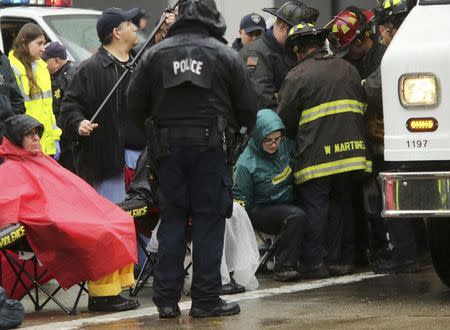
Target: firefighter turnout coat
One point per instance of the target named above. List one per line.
(321, 107)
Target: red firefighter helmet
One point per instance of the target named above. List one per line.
(348, 25)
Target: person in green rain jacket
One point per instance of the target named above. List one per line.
(263, 184)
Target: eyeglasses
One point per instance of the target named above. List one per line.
(271, 141)
(32, 132)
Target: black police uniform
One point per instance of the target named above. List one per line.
(60, 81)
(189, 85)
(268, 62)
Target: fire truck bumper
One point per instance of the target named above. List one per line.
(415, 194)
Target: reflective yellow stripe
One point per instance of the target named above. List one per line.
(240, 202)
(331, 108)
(336, 167)
(282, 176)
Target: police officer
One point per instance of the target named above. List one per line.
(191, 87)
(250, 28)
(322, 109)
(61, 71)
(267, 58)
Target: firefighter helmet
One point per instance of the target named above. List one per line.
(294, 12)
(303, 30)
(395, 10)
(397, 6)
(348, 25)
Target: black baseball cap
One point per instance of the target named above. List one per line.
(54, 50)
(111, 18)
(253, 22)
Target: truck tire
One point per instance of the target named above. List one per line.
(439, 242)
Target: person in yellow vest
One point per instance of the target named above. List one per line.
(35, 84)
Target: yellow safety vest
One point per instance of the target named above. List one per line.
(39, 106)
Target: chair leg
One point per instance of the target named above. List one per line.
(269, 254)
(18, 271)
(140, 281)
(37, 286)
(143, 275)
(73, 311)
(186, 273)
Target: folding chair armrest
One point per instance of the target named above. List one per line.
(11, 234)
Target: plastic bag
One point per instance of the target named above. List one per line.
(240, 249)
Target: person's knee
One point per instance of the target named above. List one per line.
(297, 215)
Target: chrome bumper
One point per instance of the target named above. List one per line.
(415, 194)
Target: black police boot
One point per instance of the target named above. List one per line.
(231, 288)
(169, 312)
(340, 269)
(221, 308)
(393, 266)
(111, 304)
(286, 274)
(316, 271)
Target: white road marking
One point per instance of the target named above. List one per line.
(150, 311)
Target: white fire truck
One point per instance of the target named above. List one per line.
(416, 105)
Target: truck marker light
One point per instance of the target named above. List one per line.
(418, 90)
(422, 124)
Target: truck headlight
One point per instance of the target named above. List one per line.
(418, 90)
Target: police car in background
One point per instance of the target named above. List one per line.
(75, 28)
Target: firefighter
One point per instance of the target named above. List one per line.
(267, 58)
(322, 109)
(351, 37)
(190, 89)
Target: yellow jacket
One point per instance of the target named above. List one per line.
(39, 106)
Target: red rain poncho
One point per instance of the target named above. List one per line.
(76, 233)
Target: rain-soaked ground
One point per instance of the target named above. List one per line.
(360, 301)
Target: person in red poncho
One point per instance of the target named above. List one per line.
(74, 232)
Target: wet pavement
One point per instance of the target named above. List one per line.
(360, 301)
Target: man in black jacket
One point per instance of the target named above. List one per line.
(191, 89)
(267, 58)
(99, 155)
(11, 99)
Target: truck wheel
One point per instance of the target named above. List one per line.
(439, 241)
